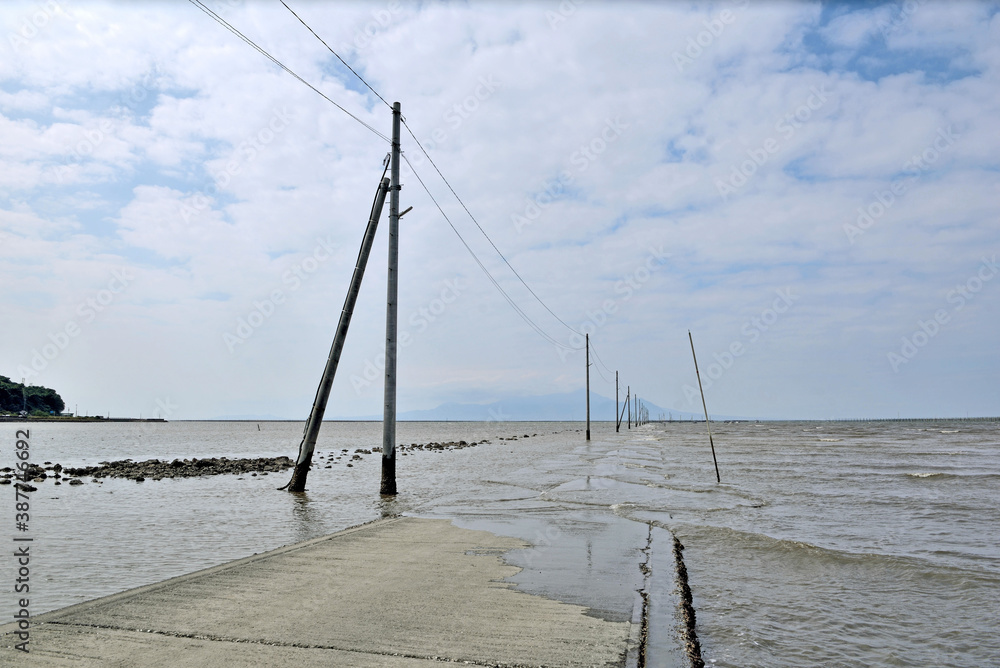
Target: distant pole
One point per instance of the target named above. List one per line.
(388, 485)
(618, 421)
(315, 421)
(708, 423)
(588, 386)
(628, 404)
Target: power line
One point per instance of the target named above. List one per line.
(335, 53)
(502, 256)
(524, 316)
(506, 296)
(200, 5)
(436, 168)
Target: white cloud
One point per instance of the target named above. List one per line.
(148, 137)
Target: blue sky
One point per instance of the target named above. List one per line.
(811, 189)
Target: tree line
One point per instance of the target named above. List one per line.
(15, 397)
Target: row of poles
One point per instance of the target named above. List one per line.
(637, 412)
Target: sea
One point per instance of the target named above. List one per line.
(824, 544)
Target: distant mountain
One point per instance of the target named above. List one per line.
(566, 407)
(569, 406)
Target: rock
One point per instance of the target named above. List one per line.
(76, 481)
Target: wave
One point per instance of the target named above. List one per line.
(931, 475)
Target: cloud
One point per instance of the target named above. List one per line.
(149, 137)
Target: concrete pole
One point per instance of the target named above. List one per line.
(588, 387)
(309, 436)
(388, 485)
(708, 423)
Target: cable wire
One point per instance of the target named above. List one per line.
(524, 316)
(335, 53)
(200, 5)
(502, 256)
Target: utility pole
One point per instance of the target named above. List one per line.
(315, 421)
(618, 422)
(703, 405)
(388, 485)
(628, 403)
(588, 386)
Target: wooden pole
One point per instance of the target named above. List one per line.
(708, 422)
(388, 484)
(588, 386)
(315, 421)
(618, 420)
(628, 404)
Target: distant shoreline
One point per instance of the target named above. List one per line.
(96, 418)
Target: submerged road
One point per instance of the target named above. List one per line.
(397, 592)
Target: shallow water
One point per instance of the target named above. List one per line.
(835, 544)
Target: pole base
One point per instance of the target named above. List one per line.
(298, 481)
(388, 486)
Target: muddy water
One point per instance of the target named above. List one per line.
(826, 544)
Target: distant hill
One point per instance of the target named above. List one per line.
(34, 398)
(569, 406)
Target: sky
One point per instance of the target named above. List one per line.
(811, 189)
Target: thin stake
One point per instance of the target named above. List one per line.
(588, 387)
(707, 421)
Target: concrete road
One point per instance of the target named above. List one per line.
(398, 592)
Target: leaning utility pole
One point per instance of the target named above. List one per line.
(588, 387)
(618, 422)
(708, 422)
(628, 403)
(388, 485)
(308, 444)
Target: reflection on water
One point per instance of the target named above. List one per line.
(826, 544)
